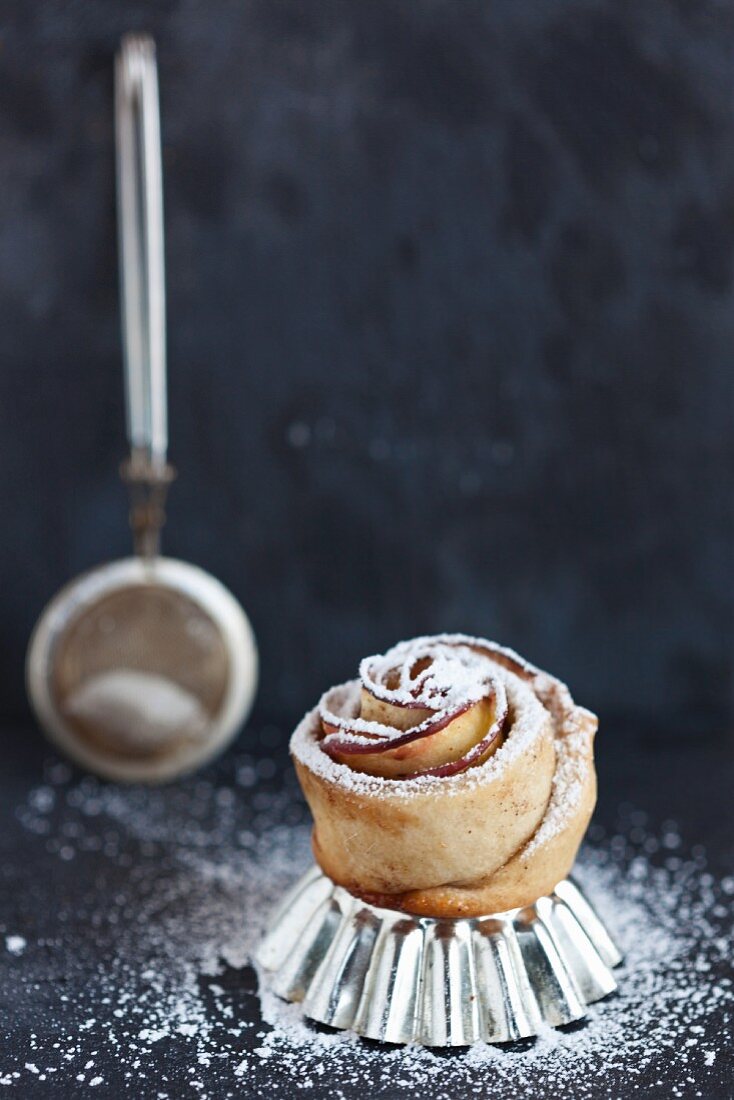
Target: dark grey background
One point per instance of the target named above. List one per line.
(451, 329)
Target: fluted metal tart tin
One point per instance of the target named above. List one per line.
(396, 978)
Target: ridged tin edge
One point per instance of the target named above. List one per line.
(441, 983)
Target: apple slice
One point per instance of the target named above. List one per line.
(470, 736)
(422, 709)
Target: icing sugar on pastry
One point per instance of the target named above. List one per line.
(427, 707)
(452, 779)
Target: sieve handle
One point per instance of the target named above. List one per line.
(140, 229)
(142, 284)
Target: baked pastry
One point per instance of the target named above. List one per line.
(452, 779)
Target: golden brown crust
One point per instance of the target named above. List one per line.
(496, 837)
(535, 870)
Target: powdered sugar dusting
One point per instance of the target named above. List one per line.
(529, 723)
(431, 675)
(454, 675)
(427, 673)
(569, 779)
(179, 883)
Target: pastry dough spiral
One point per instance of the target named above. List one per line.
(451, 779)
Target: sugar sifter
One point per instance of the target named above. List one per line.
(142, 668)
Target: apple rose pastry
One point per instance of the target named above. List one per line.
(451, 779)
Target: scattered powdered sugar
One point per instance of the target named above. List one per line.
(149, 992)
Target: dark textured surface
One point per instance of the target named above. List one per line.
(450, 320)
(77, 916)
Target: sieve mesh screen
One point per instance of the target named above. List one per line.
(139, 671)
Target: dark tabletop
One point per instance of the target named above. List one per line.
(76, 893)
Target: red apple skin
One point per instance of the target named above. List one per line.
(342, 748)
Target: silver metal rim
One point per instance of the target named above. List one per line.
(180, 576)
(441, 983)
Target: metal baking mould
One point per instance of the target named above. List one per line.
(393, 977)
